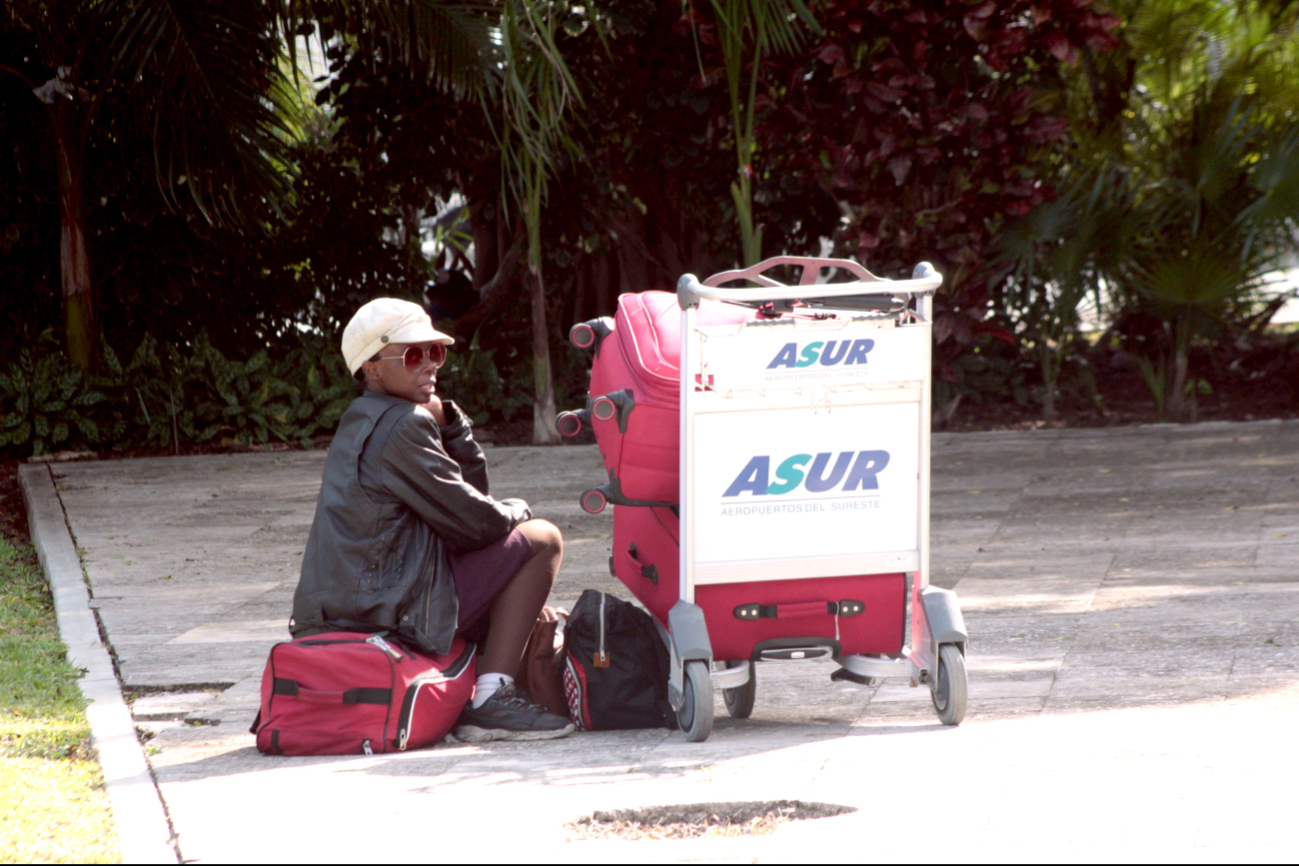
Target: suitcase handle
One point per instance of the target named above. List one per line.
(802, 608)
(649, 572)
(790, 610)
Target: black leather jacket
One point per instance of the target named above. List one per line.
(397, 490)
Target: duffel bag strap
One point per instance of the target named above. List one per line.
(290, 688)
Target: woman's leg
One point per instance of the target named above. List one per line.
(515, 610)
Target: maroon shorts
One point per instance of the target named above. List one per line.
(482, 574)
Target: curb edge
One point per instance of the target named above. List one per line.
(144, 833)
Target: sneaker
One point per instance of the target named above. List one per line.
(509, 715)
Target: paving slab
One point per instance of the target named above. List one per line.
(1132, 597)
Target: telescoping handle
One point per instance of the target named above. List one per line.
(925, 280)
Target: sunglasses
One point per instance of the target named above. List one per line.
(414, 356)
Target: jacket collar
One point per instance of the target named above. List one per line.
(385, 399)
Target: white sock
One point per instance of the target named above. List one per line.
(488, 685)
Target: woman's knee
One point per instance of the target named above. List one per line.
(544, 537)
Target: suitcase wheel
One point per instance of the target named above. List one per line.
(586, 335)
(594, 501)
(571, 423)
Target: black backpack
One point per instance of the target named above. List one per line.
(616, 666)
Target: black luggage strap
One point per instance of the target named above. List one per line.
(290, 688)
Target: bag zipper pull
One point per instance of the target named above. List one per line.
(382, 644)
(601, 657)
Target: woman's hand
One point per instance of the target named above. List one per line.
(552, 614)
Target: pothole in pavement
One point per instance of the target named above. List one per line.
(695, 820)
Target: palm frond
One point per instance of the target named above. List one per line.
(537, 96)
(210, 99)
(449, 43)
(1200, 277)
(1276, 178)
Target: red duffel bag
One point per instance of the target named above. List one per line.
(344, 693)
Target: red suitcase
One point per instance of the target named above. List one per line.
(645, 556)
(645, 559)
(740, 616)
(343, 693)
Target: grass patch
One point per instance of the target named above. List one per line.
(53, 807)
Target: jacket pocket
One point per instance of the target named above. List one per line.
(428, 614)
(388, 556)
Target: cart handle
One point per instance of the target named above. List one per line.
(925, 280)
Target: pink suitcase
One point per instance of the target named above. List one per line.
(634, 394)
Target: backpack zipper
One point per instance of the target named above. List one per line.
(452, 671)
(602, 657)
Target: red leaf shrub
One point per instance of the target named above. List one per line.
(927, 123)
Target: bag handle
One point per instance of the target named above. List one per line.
(789, 610)
(290, 688)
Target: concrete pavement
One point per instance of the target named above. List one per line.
(1132, 597)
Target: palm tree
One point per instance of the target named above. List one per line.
(534, 108)
(1222, 216)
(203, 83)
(747, 30)
(195, 80)
(1192, 125)
(1059, 254)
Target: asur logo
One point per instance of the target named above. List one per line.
(852, 469)
(831, 354)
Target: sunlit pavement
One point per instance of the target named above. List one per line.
(1132, 597)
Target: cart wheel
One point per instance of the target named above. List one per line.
(696, 714)
(951, 687)
(739, 700)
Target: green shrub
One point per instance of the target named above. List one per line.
(991, 371)
(321, 387)
(47, 404)
(472, 379)
(167, 394)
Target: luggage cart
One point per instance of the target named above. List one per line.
(767, 451)
(804, 466)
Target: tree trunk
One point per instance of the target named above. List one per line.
(1049, 377)
(633, 269)
(1177, 391)
(543, 401)
(1048, 403)
(604, 279)
(496, 291)
(483, 223)
(80, 322)
(1181, 349)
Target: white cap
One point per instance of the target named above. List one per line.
(384, 321)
